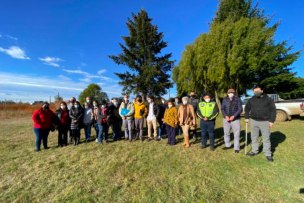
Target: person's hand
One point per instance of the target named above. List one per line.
(108, 117)
(127, 115)
(75, 121)
(247, 120)
(271, 124)
(162, 119)
(205, 119)
(123, 117)
(227, 118)
(231, 118)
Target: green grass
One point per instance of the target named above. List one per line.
(148, 172)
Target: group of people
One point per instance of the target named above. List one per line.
(172, 116)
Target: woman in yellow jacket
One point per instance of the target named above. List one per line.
(140, 114)
(171, 121)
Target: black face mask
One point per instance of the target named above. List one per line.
(140, 100)
(192, 96)
(46, 107)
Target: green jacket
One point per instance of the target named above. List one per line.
(207, 110)
(130, 107)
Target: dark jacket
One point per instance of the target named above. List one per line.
(156, 110)
(57, 117)
(194, 103)
(261, 109)
(76, 114)
(162, 109)
(236, 107)
(114, 114)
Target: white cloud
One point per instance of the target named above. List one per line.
(101, 71)
(11, 37)
(90, 76)
(88, 80)
(63, 77)
(29, 88)
(15, 52)
(51, 61)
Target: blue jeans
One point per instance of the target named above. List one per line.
(41, 134)
(161, 129)
(207, 126)
(102, 132)
(116, 126)
(87, 131)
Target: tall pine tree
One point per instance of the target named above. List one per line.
(142, 55)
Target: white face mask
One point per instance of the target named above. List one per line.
(163, 101)
(230, 95)
(126, 99)
(207, 100)
(63, 107)
(184, 102)
(170, 106)
(134, 101)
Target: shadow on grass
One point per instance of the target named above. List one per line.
(275, 139)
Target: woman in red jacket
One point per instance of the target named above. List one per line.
(43, 120)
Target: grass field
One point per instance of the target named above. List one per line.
(148, 172)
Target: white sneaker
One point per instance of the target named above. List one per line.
(96, 140)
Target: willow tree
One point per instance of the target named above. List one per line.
(142, 54)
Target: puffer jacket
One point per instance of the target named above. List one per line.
(76, 114)
(140, 110)
(236, 110)
(57, 117)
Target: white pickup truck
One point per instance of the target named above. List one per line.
(285, 108)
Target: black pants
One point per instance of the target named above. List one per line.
(63, 134)
(76, 136)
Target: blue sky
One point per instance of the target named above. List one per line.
(63, 44)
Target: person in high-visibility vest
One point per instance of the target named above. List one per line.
(207, 111)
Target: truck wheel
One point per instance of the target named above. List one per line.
(281, 116)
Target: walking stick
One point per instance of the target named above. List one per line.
(246, 138)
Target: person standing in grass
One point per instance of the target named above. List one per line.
(88, 117)
(171, 121)
(207, 111)
(194, 101)
(62, 124)
(43, 120)
(177, 105)
(76, 115)
(128, 118)
(152, 116)
(186, 118)
(162, 126)
(140, 114)
(70, 105)
(116, 120)
(262, 112)
(97, 120)
(232, 109)
(104, 123)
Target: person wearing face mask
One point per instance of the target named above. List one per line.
(76, 115)
(177, 105)
(186, 118)
(162, 126)
(152, 116)
(171, 121)
(88, 116)
(127, 119)
(231, 110)
(140, 114)
(43, 121)
(262, 112)
(194, 101)
(104, 123)
(115, 119)
(207, 112)
(62, 124)
(70, 105)
(89, 103)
